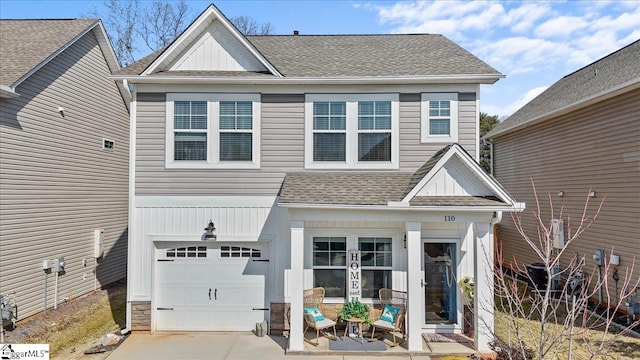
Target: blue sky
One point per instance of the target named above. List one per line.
(533, 43)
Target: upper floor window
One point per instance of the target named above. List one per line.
(190, 130)
(352, 131)
(374, 131)
(439, 118)
(329, 131)
(213, 131)
(236, 122)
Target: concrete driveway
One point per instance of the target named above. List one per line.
(214, 346)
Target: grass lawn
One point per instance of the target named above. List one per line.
(623, 347)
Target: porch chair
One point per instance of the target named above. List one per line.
(313, 318)
(393, 315)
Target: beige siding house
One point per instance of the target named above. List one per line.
(261, 162)
(581, 134)
(64, 146)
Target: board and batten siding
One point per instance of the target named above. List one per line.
(282, 147)
(598, 148)
(57, 184)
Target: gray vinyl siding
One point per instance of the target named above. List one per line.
(57, 184)
(282, 147)
(596, 147)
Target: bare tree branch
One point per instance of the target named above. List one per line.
(249, 26)
(573, 288)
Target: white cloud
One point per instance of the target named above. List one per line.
(538, 40)
(509, 109)
(562, 26)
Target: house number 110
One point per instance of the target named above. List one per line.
(448, 218)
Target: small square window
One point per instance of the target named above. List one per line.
(108, 144)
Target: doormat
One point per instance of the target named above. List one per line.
(450, 338)
(353, 344)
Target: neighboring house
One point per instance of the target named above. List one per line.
(300, 149)
(582, 134)
(64, 150)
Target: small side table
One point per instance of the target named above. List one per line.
(356, 321)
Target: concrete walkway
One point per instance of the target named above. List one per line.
(215, 346)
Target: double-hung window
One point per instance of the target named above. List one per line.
(213, 131)
(439, 117)
(236, 122)
(329, 260)
(376, 262)
(190, 130)
(359, 131)
(374, 131)
(329, 131)
(330, 265)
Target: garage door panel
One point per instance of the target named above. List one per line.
(237, 287)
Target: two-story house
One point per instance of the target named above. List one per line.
(299, 150)
(64, 151)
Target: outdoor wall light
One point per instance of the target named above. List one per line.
(560, 193)
(209, 232)
(61, 111)
(592, 194)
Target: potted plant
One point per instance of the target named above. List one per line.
(355, 309)
(467, 287)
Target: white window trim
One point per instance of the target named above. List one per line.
(351, 158)
(213, 132)
(352, 235)
(104, 141)
(425, 137)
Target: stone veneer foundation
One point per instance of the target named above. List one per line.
(141, 316)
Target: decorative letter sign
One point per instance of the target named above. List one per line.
(354, 275)
(354, 285)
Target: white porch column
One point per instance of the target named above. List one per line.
(415, 292)
(483, 302)
(296, 286)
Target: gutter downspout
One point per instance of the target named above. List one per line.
(497, 217)
(132, 205)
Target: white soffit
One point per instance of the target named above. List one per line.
(216, 50)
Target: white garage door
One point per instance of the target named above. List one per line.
(210, 287)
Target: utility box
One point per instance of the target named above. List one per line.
(557, 233)
(58, 264)
(98, 240)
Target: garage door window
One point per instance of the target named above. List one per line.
(239, 252)
(187, 252)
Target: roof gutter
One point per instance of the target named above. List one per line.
(438, 79)
(516, 207)
(7, 92)
(609, 93)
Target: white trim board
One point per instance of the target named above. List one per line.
(204, 201)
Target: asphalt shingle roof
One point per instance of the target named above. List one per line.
(358, 55)
(370, 188)
(601, 76)
(367, 55)
(26, 43)
(346, 188)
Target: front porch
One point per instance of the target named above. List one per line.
(426, 260)
(353, 233)
(428, 349)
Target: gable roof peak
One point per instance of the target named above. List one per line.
(192, 32)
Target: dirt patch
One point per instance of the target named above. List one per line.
(76, 325)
